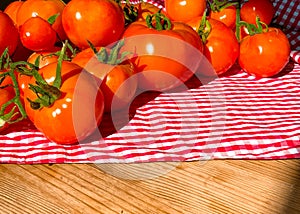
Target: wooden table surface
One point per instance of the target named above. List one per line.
(215, 186)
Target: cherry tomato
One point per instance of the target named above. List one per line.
(12, 10)
(36, 34)
(100, 21)
(264, 54)
(165, 58)
(221, 47)
(44, 9)
(264, 9)
(226, 15)
(179, 10)
(76, 113)
(117, 82)
(9, 34)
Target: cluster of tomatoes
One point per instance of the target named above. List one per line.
(65, 64)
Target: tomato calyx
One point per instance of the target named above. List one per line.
(204, 28)
(258, 28)
(158, 21)
(47, 94)
(111, 57)
(217, 5)
(13, 115)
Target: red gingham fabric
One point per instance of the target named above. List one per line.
(288, 16)
(236, 116)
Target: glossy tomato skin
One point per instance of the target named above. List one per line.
(12, 10)
(221, 47)
(45, 58)
(226, 15)
(179, 10)
(164, 59)
(44, 9)
(9, 34)
(36, 34)
(117, 82)
(264, 9)
(265, 54)
(76, 114)
(99, 21)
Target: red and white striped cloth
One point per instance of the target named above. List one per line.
(236, 116)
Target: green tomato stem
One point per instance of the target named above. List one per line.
(17, 99)
(237, 22)
(58, 81)
(204, 28)
(218, 5)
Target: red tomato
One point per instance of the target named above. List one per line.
(264, 54)
(76, 113)
(46, 57)
(99, 21)
(264, 9)
(164, 58)
(44, 9)
(12, 10)
(117, 82)
(6, 94)
(226, 15)
(9, 34)
(221, 47)
(179, 10)
(36, 34)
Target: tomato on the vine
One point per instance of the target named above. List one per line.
(166, 53)
(179, 10)
(264, 9)
(264, 54)
(67, 113)
(36, 34)
(224, 12)
(116, 78)
(45, 58)
(9, 34)
(221, 47)
(100, 21)
(11, 106)
(5, 96)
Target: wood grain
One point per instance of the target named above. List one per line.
(219, 186)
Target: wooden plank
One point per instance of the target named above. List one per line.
(219, 186)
